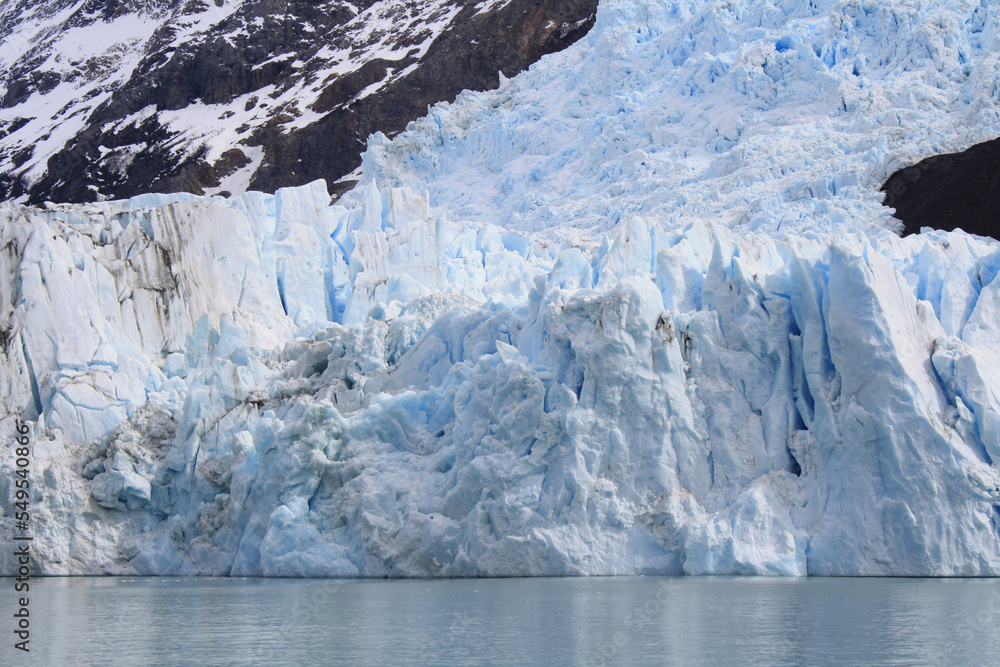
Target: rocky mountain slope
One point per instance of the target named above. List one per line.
(103, 99)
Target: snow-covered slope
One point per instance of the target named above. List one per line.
(102, 100)
(582, 324)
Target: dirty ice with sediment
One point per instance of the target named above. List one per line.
(638, 310)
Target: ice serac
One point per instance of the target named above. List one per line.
(572, 326)
(674, 400)
(759, 114)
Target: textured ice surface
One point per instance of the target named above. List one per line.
(756, 114)
(556, 329)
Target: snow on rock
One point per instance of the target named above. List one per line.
(543, 336)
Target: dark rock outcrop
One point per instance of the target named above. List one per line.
(954, 190)
(275, 93)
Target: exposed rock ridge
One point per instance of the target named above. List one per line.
(950, 191)
(235, 94)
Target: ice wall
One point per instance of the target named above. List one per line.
(672, 400)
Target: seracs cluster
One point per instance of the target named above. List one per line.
(516, 349)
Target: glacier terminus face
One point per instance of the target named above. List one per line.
(582, 324)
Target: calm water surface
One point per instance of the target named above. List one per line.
(586, 621)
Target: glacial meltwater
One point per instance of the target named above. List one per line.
(559, 621)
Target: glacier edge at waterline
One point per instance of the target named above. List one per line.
(674, 400)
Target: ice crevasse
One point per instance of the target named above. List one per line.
(402, 384)
(678, 400)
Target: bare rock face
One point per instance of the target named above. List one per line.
(110, 99)
(954, 190)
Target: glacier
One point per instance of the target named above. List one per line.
(637, 311)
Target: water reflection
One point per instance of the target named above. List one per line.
(587, 621)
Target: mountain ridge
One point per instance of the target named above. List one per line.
(237, 94)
